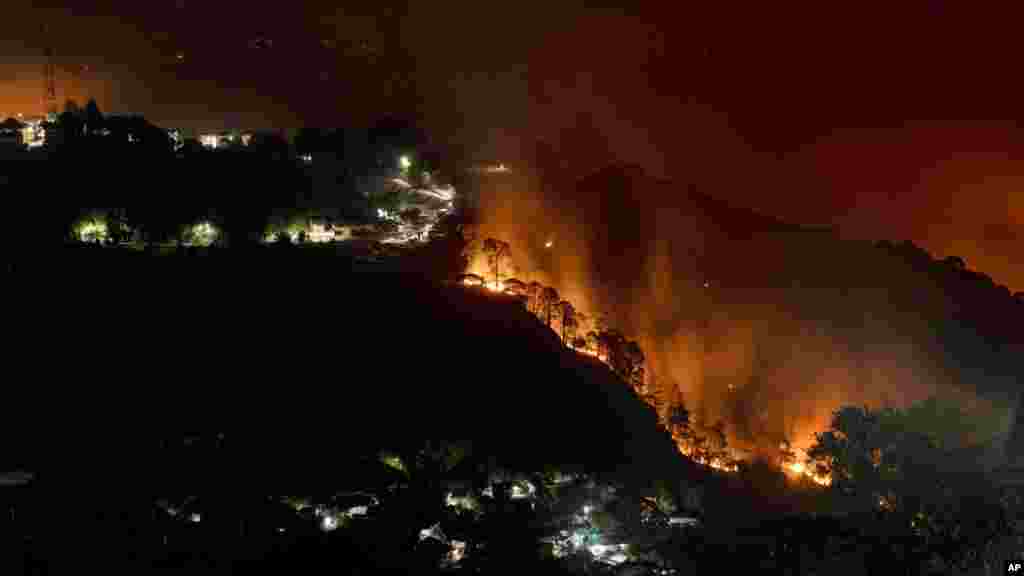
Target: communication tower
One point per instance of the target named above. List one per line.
(49, 78)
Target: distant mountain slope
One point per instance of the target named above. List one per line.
(770, 326)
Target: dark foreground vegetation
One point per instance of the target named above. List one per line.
(292, 410)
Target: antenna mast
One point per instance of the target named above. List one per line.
(49, 77)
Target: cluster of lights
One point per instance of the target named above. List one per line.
(92, 230)
(461, 502)
(387, 215)
(519, 491)
(203, 234)
(458, 552)
(315, 233)
(318, 233)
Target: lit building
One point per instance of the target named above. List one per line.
(319, 233)
(211, 141)
(217, 140)
(176, 138)
(490, 168)
(12, 133)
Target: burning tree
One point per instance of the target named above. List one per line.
(706, 445)
(568, 321)
(679, 422)
(497, 253)
(634, 358)
(533, 291)
(548, 301)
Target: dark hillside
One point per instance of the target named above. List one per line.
(297, 357)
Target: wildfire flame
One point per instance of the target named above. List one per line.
(713, 463)
(798, 468)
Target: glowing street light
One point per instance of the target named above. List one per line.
(405, 162)
(329, 523)
(549, 243)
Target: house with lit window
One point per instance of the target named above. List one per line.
(12, 134)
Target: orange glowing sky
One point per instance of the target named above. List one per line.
(897, 122)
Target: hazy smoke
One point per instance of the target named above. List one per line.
(741, 329)
(785, 333)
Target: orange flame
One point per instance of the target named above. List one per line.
(798, 469)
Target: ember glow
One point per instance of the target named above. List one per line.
(715, 463)
(799, 469)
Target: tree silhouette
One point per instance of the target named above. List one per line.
(878, 461)
(955, 262)
(634, 358)
(533, 291)
(93, 117)
(70, 125)
(679, 422)
(844, 452)
(549, 300)
(568, 321)
(496, 251)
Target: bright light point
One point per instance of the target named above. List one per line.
(329, 523)
(707, 284)
(358, 511)
(549, 244)
(405, 162)
(618, 558)
(587, 509)
(433, 532)
(598, 549)
(195, 518)
(457, 552)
